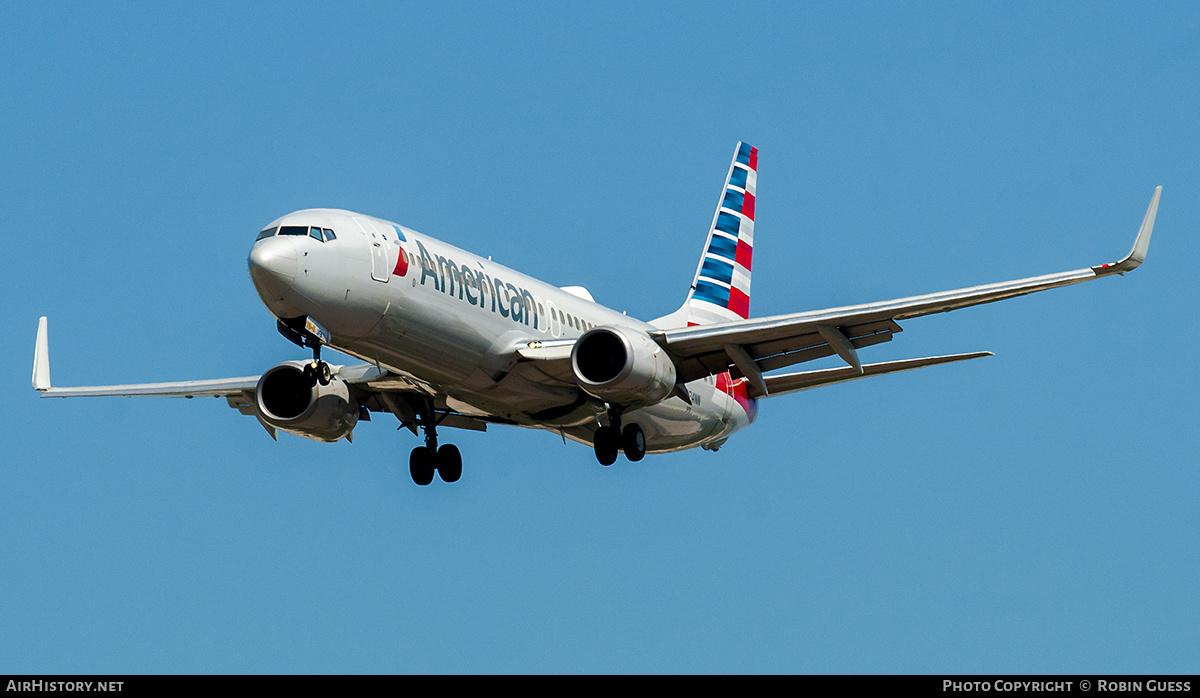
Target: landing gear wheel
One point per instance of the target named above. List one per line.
(449, 463)
(324, 373)
(421, 464)
(633, 442)
(605, 440)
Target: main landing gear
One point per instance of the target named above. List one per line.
(611, 439)
(424, 460)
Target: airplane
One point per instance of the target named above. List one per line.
(450, 339)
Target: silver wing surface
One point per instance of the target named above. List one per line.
(221, 387)
(751, 347)
(376, 389)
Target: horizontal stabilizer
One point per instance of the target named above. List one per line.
(793, 382)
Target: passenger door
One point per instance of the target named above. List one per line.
(378, 245)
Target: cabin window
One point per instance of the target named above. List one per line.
(293, 230)
(266, 234)
(329, 235)
(315, 234)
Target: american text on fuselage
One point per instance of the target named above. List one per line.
(450, 324)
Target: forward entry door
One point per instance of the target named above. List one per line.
(379, 256)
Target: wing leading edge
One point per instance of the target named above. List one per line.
(377, 389)
(221, 387)
(783, 340)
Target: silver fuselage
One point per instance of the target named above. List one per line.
(449, 322)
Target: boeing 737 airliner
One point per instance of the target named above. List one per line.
(450, 339)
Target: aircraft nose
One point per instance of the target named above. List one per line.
(273, 267)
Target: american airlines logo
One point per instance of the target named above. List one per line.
(478, 288)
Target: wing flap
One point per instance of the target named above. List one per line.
(779, 353)
(819, 352)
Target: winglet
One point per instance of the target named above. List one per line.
(1138, 254)
(41, 359)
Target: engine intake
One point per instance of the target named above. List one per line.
(289, 402)
(622, 366)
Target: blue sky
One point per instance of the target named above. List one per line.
(1031, 512)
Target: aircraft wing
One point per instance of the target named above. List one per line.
(763, 344)
(221, 387)
(382, 391)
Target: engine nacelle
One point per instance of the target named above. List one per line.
(622, 366)
(289, 402)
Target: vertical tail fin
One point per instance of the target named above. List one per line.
(721, 288)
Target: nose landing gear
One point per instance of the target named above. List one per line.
(306, 332)
(318, 371)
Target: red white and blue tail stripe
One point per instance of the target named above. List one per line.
(721, 288)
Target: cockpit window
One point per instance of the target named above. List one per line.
(318, 234)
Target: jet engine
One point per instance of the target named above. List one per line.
(290, 402)
(622, 366)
